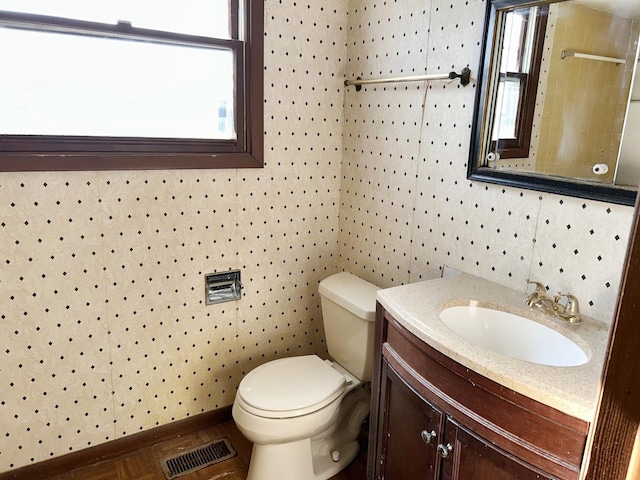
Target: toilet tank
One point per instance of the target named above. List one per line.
(348, 312)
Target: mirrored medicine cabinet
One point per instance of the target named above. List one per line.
(558, 102)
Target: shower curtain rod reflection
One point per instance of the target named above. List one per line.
(464, 77)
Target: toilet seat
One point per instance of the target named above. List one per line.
(290, 387)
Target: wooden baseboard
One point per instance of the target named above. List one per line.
(116, 448)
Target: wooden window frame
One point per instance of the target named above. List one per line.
(519, 147)
(63, 153)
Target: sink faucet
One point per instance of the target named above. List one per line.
(570, 311)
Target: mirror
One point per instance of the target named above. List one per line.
(558, 103)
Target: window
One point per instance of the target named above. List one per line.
(130, 84)
(524, 32)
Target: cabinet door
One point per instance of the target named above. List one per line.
(411, 432)
(467, 456)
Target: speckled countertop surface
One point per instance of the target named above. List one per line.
(573, 390)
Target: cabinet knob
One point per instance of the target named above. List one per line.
(427, 436)
(444, 450)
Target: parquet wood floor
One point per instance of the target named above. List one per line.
(144, 464)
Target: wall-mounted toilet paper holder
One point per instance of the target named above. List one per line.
(222, 287)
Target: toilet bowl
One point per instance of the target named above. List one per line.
(303, 414)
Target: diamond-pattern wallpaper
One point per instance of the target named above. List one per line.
(406, 207)
(102, 317)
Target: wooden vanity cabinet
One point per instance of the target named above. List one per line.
(433, 418)
(410, 426)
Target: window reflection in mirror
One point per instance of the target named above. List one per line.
(520, 58)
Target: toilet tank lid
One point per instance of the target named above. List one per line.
(350, 292)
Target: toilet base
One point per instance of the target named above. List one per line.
(313, 458)
(293, 461)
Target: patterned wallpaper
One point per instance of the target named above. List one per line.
(102, 315)
(406, 208)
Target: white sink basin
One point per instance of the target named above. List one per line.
(513, 336)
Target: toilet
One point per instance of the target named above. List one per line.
(303, 414)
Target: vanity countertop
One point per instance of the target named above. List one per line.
(573, 390)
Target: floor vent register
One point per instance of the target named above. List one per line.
(196, 458)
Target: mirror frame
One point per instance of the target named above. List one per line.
(529, 181)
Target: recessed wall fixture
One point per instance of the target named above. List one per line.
(222, 287)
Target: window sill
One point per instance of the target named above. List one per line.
(125, 161)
